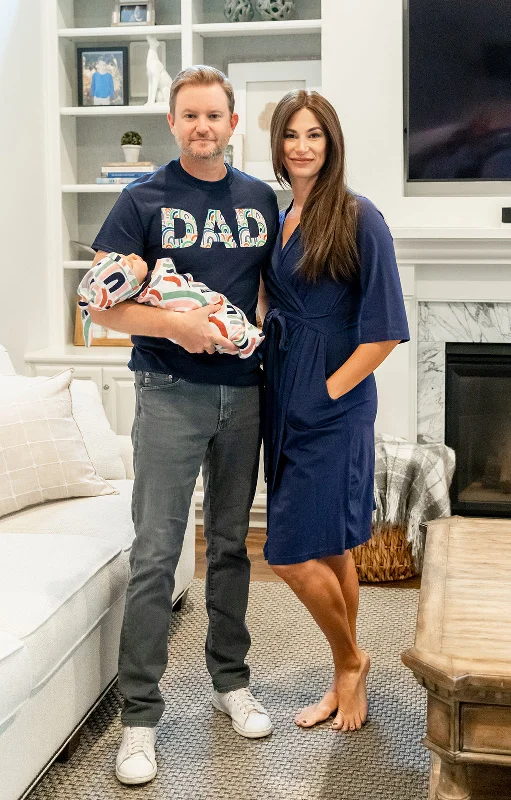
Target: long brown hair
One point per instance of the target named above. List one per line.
(328, 223)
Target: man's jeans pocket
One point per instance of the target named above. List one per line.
(156, 380)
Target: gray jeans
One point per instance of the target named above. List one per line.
(179, 426)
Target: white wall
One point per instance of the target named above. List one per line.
(364, 39)
(23, 267)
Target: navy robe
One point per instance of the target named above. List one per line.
(319, 452)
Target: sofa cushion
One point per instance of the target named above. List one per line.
(99, 439)
(107, 517)
(54, 589)
(126, 449)
(42, 454)
(15, 676)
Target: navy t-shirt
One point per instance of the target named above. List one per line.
(221, 231)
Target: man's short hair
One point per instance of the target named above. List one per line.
(200, 75)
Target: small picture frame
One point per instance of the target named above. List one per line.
(234, 151)
(126, 13)
(101, 337)
(102, 76)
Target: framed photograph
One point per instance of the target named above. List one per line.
(234, 151)
(102, 76)
(138, 74)
(133, 13)
(258, 87)
(101, 337)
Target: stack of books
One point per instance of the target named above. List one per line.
(124, 171)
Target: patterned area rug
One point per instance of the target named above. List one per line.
(199, 755)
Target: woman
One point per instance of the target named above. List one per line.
(336, 311)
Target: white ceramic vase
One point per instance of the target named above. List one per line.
(131, 152)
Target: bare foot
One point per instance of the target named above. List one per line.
(318, 712)
(352, 693)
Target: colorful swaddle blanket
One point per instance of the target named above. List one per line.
(112, 280)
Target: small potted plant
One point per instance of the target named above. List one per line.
(131, 143)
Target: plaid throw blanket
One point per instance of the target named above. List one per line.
(411, 485)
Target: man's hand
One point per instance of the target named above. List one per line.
(193, 331)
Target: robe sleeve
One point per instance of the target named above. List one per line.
(382, 310)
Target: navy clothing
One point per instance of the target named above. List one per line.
(222, 232)
(319, 452)
(102, 85)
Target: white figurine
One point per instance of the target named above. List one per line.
(158, 79)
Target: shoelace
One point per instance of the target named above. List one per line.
(138, 740)
(246, 702)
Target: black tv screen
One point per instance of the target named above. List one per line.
(459, 90)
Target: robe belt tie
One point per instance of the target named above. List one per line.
(282, 371)
(277, 318)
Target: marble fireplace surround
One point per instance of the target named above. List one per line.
(457, 288)
(441, 322)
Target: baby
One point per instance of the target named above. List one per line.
(116, 278)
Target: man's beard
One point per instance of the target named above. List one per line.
(198, 155)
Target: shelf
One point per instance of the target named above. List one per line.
(121, 32)
(224, 29)
(91, 188)
(114, 111)
(70, 188)
(69, 352)
(77, 264)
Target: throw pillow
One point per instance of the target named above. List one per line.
(42, 454)
(101, 442)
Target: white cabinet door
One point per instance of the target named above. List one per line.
(84, 372)
(119, 398)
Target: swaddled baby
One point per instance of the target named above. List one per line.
(116, 278)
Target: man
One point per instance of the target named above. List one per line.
(194, 406)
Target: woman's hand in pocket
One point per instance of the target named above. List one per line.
(333, 393)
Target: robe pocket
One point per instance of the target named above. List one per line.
(363, 392)
(313, 407)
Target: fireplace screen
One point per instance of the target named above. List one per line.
(478, 427)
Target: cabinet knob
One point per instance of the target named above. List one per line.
(106, 386)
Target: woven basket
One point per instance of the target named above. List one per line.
(387, 556)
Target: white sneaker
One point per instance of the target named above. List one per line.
(135, 761)
(248, 716)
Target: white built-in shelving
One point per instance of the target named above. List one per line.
(80, 139)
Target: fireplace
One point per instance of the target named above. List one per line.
(478, 427)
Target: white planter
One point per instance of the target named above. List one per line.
(131, 152)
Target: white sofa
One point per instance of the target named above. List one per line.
(64, 568)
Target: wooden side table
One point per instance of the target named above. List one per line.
(462, 655)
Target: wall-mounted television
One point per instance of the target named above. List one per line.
(458, 90)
